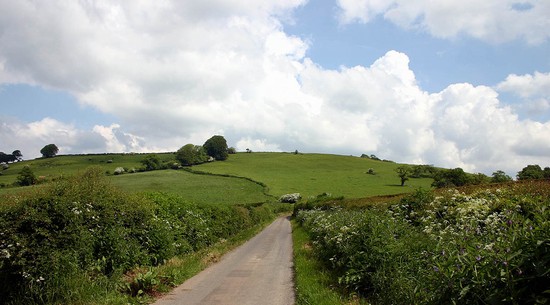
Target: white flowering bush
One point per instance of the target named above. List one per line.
(290, 198)
(477, 247)
(119, 171)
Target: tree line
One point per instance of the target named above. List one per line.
(15, 156)
(458, 177)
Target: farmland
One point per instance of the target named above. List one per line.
(313, 174)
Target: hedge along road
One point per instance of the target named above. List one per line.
(258, 272)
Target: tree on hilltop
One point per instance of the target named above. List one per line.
(191, 154)
(17, 154)
(216, 147)
(49, 151)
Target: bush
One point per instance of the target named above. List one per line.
(119, 171)
(486, 246)
(290, 198)
(26, 177)
(84, 227)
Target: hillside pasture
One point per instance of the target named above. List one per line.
(192, 187)
(313, 174)
(67, 165)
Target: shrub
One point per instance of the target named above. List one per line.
(26, 177)
(290, 198)
(119, 171)
(84, 227)
(485, 246)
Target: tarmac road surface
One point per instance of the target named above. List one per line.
(257, 273)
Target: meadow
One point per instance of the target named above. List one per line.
(313, 174)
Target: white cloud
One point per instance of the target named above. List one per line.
(176, 72)
(31, 137)
(533, 92)
(495, 21)
(527, 86)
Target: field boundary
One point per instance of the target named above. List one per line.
(265, 188)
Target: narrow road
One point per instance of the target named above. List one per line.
(258, 272)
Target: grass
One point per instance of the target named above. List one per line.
(70, 165)
(313, 174)
(194, 188)
(312, 280)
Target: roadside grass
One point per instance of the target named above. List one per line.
(313, 174)
(194, 188)
(314, 283)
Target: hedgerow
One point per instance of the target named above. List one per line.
(485, 246)
(82, 227)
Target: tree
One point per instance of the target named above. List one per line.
(531, 172)
(4, 158)
(49, 151)
(18, 155)
(500, 177)
(450, 178)
(151, 162)
(191, 154)
(403, 172)
(26, 177)
(216, 147)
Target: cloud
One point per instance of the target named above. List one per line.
(533, 92)
(495, 21)
(174, 73)
(31, 137)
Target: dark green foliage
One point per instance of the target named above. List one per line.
(423, 171)
(500, 177)
(26, 177)
(151, 162)
(216, 147)
(17, 153)
(403, 172)
(488, 246)
(49, 151)
(83, 227)
(450, 178)
(231, 150)
(531, 172)
(4, 158)
(191, 155)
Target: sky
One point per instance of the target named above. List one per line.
(449, 83)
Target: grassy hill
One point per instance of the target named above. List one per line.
(308, 174)
(313, 174)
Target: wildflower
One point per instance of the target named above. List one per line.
(436, 269)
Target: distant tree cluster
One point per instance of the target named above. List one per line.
(533, 172)
(214, 148)
(15, 156)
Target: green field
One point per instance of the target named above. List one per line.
(313, 174)
(70, 165)
(282, 173)
(193, 187)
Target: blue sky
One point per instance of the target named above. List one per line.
(445, 83)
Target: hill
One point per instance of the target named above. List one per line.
(313, 174)
(282, 173)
